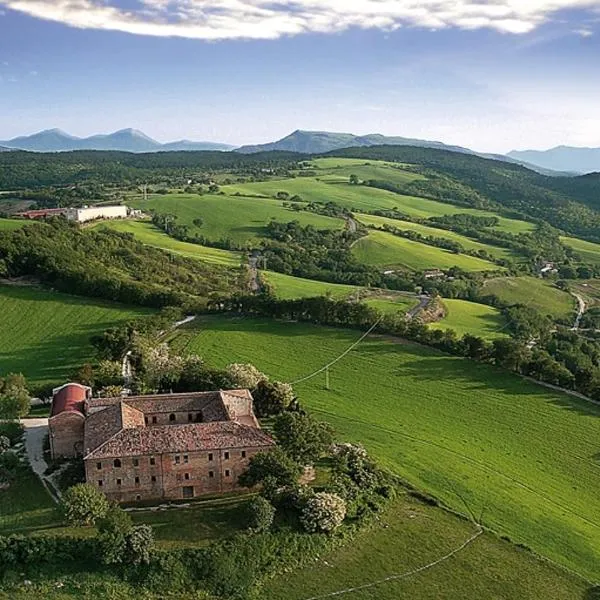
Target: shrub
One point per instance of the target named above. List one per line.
(4, 444)
(323, 513)
(272, 397)
(113, 530)
(260, 514)
(140, 543)
(245, 376)
(83, 504)
(274, 467)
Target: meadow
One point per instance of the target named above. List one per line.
(46, 335)
(241, 220)
(473, 435)
(411, 534)
(392, 303)
(465, 242)
(11, 224)
(470, 317)
(150, 235)
(535, 292)
(589, 252)
(385, 250)
(288, 287)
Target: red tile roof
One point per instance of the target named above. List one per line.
(194, 437)
(69, 398)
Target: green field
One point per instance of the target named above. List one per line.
(522, 456)
(241, 220)
(535, 292)
(152, 236)
(393, 304)
(11, 224)
(287, 287)
(385, 250)
(465, 242)
(46, 335)
(410, 535)
(364, 199)
(589, 252)
(470, 317)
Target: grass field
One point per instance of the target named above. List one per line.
(241, 220)
(385, 250)
(152, 236)
(288, 287)
(464, 431)
(363, 199)
(410, 535)
(46, 335)
(11, 224)
(534, 292)
(465, 242)
(469, 317)
(393, 304)
(589, 252)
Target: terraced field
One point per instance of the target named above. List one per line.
(465, 242)
(387, 251)
(589, 252)
(241, 220)
(467, 432)
(535, 292)
(470, 317)
(46, 335)
(148, 234)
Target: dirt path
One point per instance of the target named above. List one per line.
(581, 311)
(254, 279)
(35, 433)
(351, 225)
(424, 302)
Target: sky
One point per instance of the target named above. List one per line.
(492, 75)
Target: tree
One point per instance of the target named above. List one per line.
(107, 373)
(354, 179)
(274, 466)
(323, 513)
(301, 437)
(272, 397)
(198, 222)
(14, 397)
(245, 376)
(113, 530)
(140, 543)
(83, 504)
(260, 515)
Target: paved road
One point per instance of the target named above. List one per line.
(35, 432)
(423, 304)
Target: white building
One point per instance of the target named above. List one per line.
(81, 215)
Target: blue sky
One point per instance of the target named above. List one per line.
(492, 75)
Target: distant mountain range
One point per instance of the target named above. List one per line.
(125, 140)
(562, 158)
(558, 161)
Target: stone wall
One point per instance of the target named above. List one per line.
(65, 431)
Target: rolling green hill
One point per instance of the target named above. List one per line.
(465, 242)
(287, 287)
(467, 432)
(535, 292)
(388, 251)
(470, 317)
(151, 236)
(46, 335)
(589, 252)
(241, 220)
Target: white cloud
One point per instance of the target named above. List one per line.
(269, 19)
(584, 32)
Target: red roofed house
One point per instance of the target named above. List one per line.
(67, 419)
(162, 447)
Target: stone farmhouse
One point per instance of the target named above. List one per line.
(160, 447)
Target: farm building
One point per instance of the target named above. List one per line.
(43, 213)
(82, 215)
(161, 447)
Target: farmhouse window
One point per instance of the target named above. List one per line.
(136, 462)
(210, 457)
(153, 478)
(117, 463)
(99, 466)
(146, 420)
(152, 460)
(154, 420)
(137, 481)
(188, 491)
(187, 476)
(138, 497)
(226, 455)
(100, 483)
(226, 472)
(243, 454)
(177, 459)
(190, 417)
(118, 482)
(172, 417)
(186, 458)
(211, 474)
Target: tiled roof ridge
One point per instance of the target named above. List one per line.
(113, 436)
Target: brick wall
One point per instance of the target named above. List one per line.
(174, 418)
(171, 477)
(65, 431)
